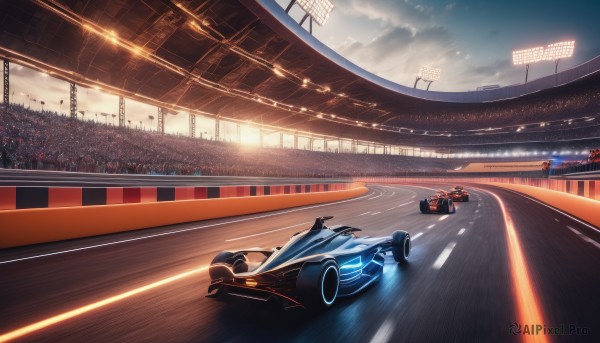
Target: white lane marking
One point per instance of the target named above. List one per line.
(461, 231)
(178, 231)
(471, 223)
(362, 214)
(443, 217)
(375, 213)
(556, 220)
(419, 234)
(444, 256)
(406, 203)
(584, 237)
(393, 193)
(476, 211)
(478, 205)
(430, 226)
(384, 333)
(264, 233)
(375, 197)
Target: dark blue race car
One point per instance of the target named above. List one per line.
(311, 270)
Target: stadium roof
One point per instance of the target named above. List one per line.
(245, 60)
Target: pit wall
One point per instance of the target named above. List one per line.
(584, 188)
(19, 227)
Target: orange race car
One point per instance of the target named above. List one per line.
(459, 194)
(438, 203)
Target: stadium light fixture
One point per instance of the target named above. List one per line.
(428, 74)
(528, 56)
(557, 51)
(552, 52)
(317, 10)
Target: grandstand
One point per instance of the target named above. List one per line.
(112, 231)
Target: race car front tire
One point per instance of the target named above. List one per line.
(401, 245)
(423, 204)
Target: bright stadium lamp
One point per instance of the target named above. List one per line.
(317, 10)
(556, 51)
(528, 56)
(428, 74)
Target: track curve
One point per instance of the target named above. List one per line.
(458, 285)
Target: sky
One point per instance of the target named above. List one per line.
(470, 40)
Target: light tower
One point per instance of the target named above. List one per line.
(317, 10)
(528, 56)
(557, 51)
(552, 52)
(428, 74)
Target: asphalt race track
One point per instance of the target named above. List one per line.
(458, 287)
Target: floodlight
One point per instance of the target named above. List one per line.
(528, 56)
(556, 51)
(319, 10)
(559, 50)
(429, 74)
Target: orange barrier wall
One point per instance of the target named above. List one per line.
(41, 225)
(580, 207)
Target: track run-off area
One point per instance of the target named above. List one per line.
(502, 263)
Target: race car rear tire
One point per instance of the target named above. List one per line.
(401, 245)
(445, 206)
(318, 284)
(423, 204)
(466, 198)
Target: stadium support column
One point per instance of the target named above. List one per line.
(217, 129)
(324, 144)
(295, 140)
(281, 140)
(73, 101)
(192, 125)
(121, 111)
(6, 81)
(239, 133)
(161, 120)
(260, 136)
(339, 145)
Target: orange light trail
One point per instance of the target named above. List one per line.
(527, 304)
(93, 306)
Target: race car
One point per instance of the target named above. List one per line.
(438, 203)
(311, 271)
(459, 194)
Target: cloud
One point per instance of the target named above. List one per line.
(389, 13)
(449, 7)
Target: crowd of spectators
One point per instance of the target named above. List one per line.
(45, 140)
(574, 102)
(592, 163)
(48, 141)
